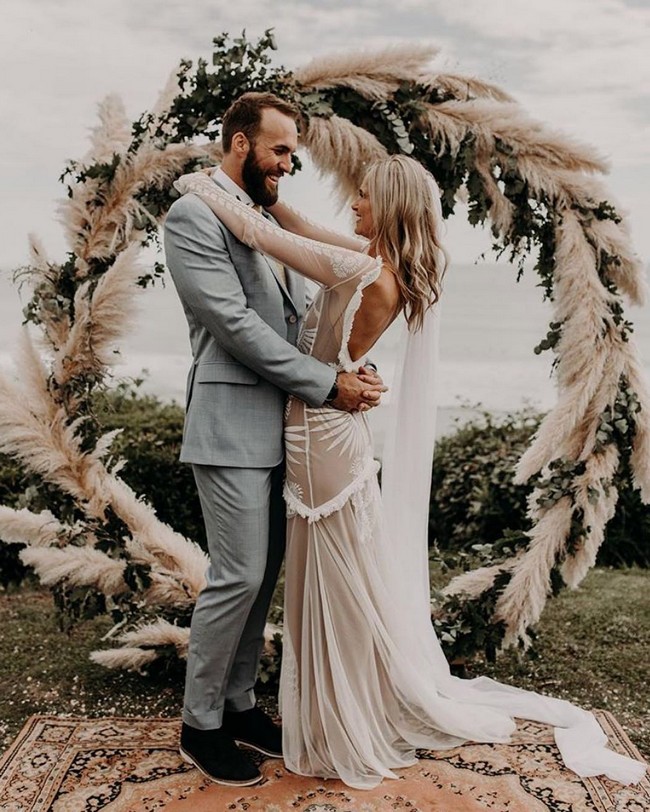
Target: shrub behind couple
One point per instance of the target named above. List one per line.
(364, 681)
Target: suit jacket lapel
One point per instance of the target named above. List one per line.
(296, 290)
(286, 291)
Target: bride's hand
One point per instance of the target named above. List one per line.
(370, 376)
(357, 395)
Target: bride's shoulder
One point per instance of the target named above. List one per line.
(386, 283)
(384, 292)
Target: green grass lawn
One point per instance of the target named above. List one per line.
(593, 648)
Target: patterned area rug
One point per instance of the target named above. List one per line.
(132, 765)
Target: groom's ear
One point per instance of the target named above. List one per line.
(240, 145)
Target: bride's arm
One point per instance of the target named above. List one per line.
(294, 221)
(326, 264)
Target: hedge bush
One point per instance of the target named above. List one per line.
(12, 487)
(150, 443)
(474, 501)
(473, 498)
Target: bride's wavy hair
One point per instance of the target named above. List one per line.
(407, 223)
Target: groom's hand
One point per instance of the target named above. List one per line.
(356, 394)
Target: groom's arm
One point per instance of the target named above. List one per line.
(199, 261)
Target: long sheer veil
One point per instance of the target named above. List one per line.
(408, 450)
(408, 455)
(402, 551)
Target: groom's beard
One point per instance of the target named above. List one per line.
(255, 182)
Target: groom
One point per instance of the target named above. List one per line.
(243, 312)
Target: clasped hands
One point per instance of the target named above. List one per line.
(358, 391)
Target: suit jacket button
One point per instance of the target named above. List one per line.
(293, 319)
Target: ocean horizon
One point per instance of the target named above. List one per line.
(489, 326)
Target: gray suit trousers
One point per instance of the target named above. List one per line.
(244, 516)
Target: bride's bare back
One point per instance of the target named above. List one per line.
(380, 306)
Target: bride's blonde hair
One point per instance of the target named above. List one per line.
(407, 223)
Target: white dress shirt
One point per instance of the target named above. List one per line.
(230, 186)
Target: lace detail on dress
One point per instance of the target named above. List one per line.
(306, 339)
(296, 222)
(296, 506)
(349, 264)
(289, 671)
(362, 501)
(296, 492)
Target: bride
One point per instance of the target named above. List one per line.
(364, 681)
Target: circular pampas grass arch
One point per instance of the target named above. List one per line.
(535, 188)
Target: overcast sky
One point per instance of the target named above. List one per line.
(581, 66)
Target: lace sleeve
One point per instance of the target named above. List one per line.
(292, 220)
(326, 264)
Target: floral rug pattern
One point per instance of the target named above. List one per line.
(132, 765)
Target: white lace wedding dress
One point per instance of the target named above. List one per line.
(364, 681)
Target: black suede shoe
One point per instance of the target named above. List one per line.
(215, 754)
(254, 729)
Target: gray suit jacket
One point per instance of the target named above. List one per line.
(243, 329)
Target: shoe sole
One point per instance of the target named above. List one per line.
(269, 753)
(224, 781)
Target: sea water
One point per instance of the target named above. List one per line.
(490, 325)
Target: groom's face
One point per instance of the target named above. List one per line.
(269, 157)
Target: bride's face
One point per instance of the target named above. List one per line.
(364, 225)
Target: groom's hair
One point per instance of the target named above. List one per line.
(245, 115)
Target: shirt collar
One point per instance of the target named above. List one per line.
(231, 187)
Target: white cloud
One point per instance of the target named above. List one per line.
(580, 65)
(560, 45)
(574, 22)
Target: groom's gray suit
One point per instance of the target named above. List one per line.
(243, 325)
